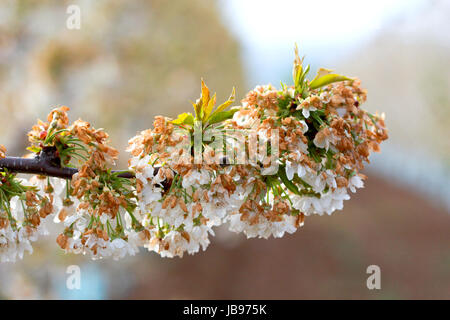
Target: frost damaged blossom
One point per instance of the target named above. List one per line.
(98, 226)
(96, 206)
(180, 201)
(23, 211)
(260, 168)
(325, 138)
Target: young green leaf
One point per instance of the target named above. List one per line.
(204, 99)
(209, 107)
(297, 70)
(322, 72)
(222, 116)
(34, 149)
(204, 108)
(184, 118)
(227, 103)
(197, 108)
(320, 81)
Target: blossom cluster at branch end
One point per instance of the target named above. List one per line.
(94, 205)
(24, 214)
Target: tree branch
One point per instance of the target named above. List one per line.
(47, 163)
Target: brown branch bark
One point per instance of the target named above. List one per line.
(47, 163)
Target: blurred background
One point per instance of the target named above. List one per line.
(132, 60)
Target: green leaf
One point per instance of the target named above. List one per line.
(204, 99)
(227, 103)
(205, 93)
(305, 73)
(204, 107)
(184, 118)
(197, 108)
(297, 70)
(209, 107)
(322, 72)
(34, 149)
(222, 116)
(324, 78)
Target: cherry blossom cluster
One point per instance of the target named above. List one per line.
(24, 211)
(258, 168)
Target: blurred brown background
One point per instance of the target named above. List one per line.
(132, 60)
